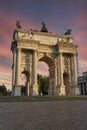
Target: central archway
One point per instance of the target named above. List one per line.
(51, 71)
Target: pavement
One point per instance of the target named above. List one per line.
(44, 115)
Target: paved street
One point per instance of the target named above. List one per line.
(45, 115)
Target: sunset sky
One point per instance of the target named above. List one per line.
(59, 15)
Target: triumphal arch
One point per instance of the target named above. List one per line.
(58, 51)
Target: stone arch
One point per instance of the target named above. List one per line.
(51, 64)
(49, 48)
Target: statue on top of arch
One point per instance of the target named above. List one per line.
(43, 29)
(18, 25)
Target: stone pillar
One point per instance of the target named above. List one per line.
(75, 69)
(55, 87)
(58, 73)
(35, 86)
(18, 60)
(13, 71)
(75, 75)
(72, 70)
(31, 76)
(62, 87)
(69, 67)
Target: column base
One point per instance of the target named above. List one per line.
(62, 90)
(35, 90)
(77, 91)
(17, 91)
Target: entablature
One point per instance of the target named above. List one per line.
(67, 48)
(42, 37)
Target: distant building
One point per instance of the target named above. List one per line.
(82, 83)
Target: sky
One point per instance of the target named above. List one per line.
(59, 15)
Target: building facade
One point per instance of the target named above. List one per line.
(82, 83)
(57, 50)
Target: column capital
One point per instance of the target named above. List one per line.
(61, 53)
(19, 48)
(74, 54)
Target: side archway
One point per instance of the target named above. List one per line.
(66, 82)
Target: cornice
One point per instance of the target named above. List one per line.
(36, 32)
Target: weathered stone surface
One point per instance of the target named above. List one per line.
(57, 51)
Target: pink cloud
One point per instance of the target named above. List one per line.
(43, 68)
(5, 70)
(80, 37)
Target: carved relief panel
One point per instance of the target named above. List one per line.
(26, 60)
(66, 63)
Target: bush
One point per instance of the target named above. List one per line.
(3, 90)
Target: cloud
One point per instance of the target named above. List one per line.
(80, 32)
(43, 68)
(5, 70)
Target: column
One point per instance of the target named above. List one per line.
(35, 67)
(58, 75)
(13, 70)
(35, 86)
(69, 88)
(55, 87)
(72, 70)
(17, 75)
(62, 87)
(18, 60)
(75, 75)
(75, 69)
(61, 69)
(55, 75)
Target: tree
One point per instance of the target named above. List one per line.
(23, 90)
(3, 90)
(43, 83)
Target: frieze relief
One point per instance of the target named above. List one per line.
(67, 49)
(26, 57)
(40, 55)
(27, 45)
(25, 35)
(46, 39)
(38, 37)
(43, 38)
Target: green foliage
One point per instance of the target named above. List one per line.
(23, 90)
(3, 90)
(43, 83)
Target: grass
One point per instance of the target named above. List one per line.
(39, 98)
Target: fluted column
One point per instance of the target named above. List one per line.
(75, 69)
(55, 89)
(18, 60)
(35, 67)
(71, 69)
(13, 70)
(62, 87)
(58, 75)
(55, 75)
(35, 86)
(75, 87)
(61, 69)
(58, 72)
